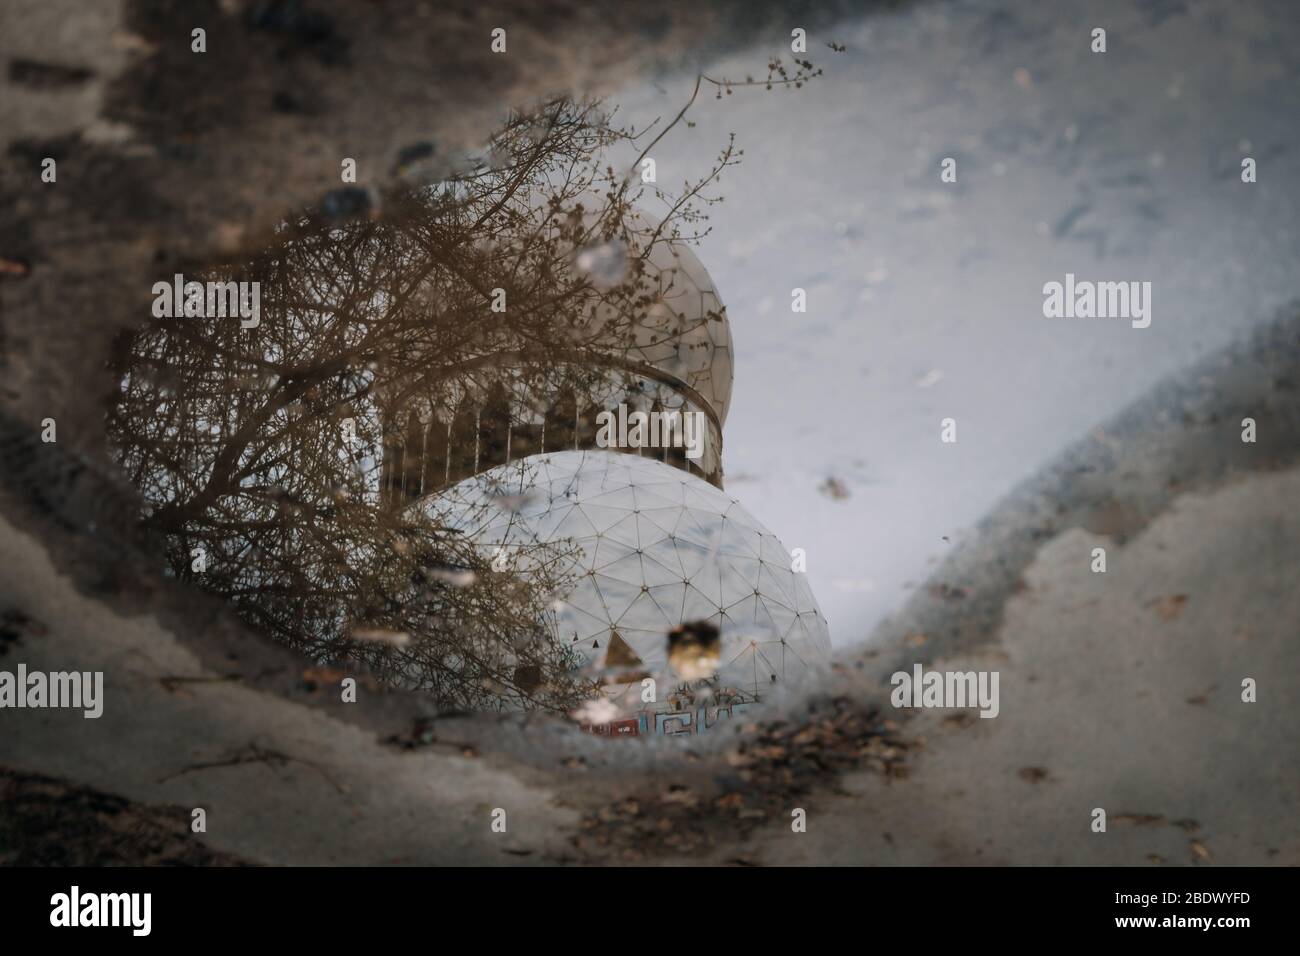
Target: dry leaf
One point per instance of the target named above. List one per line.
(1170, 606)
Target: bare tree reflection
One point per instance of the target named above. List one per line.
(276, 461)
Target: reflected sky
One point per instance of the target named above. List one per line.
(925, 299)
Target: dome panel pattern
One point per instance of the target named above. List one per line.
(651, 547)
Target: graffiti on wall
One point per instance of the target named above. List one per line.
(673, 723)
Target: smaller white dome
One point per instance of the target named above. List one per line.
(685, 331)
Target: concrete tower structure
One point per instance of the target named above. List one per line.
(683, 604)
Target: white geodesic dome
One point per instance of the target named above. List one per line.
(654, 548)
